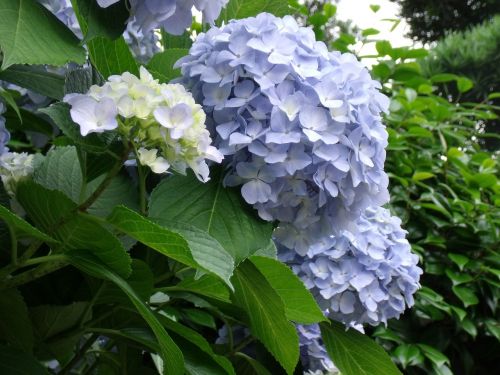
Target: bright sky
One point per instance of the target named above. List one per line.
(360, 13)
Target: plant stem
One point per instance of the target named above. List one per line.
(142, 187)
(79, 355)
(44, 259)
(33, 274)
(13, 245)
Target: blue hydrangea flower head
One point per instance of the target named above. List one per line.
(313, 354)
(366, 274)
(301, 126)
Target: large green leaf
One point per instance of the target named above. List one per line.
(266, 314)
(30, 122)
(35, 78)
(206, 250)
(112, 57)
(30, 34)
(355, 353)
(22, 227)
(15, 324)
(237, 9)
(58, 215)
(195, 252)
(207, 286)
(219, 211)
(60, 170)
(17, 362)
(300, 305)
(170, 352)
(81, 79)
(161, 66)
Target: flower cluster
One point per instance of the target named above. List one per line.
(14, 167)
(312, 351)
(165, 125)
(4, 133)
(174, 16)
(302, 124)
(367, 274)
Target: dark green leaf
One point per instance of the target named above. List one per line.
(22, 227)
(237, 9)
(81, 79)
(15, 324)
(266, 313)
(107, 22)
(219, 211)
(16, 362)
(112, 57)
(30, 34)
(300, 305)
(355, 353)
(35, 78)
(170, 352)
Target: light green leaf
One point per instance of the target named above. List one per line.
(355, 353)
(17, 362)
(436, 357)
(464, 84)
(266, 314)
(420, 176)
(57, 215)
(196, 250)
(60, 170)
(35, 78)
(22, 227)
(15, 324)
(466, 295)
(161, 65)
(207, 286)
(170, 352)
(30, 34)
(300, 305)
(218, 211)
(269, 251)
(237, 9)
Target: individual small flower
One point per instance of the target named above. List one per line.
(367, 274)
(14, 167)
(163, 121)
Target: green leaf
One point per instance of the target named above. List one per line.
(370, 31)
(466, 295)
(59, 113)
(161, 65)
(10, 101)
(269, 251)
(300, 305)
(51, 320)
(420, 176)
(16, 362)
(266, 313)
(246, 365)
(107, 22)
(355, 353)
(464, 84)
(22, 227)
(112, 57)
(57, 215)
(197, 251)
(31, 122)
(195, 338)
(375, 8)
(170, 352)
(200, 317)
(408, 354)
(383, 47)
(15, 324)
(30, 34)
(207, 286)
(219, 211)
(205, 249)
(444, 77)
(81, 79)
(434, 355)
(35, 78)
(237, 9)
(60, 170)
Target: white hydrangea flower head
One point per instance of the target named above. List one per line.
(163, 121)
(14, 167)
